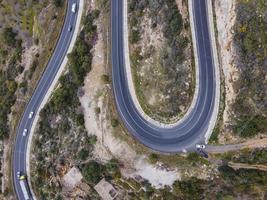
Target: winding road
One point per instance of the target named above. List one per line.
(192, 130)
(20, 147)
(182, 137)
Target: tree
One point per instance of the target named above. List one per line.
(83, 154)
(112, 166)
(91, 140)
(9, 36)
(114, 123)
(57, 3)
(92, 172)
(153, 158)
(189, 189)
(134, 36)
(80, 119)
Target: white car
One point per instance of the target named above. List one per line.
(30, 115)
(200, 146)
(25, 132)
(73, 8)
(18, 174)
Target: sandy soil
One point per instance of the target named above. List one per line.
(27, 59)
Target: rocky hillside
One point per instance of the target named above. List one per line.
(242, 41)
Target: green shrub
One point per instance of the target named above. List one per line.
(58, 3)
(92, 139)
(114, 123)
(247, 178)
(83, 154)
(255, 156)
(9, 36)
(153, 158)
(191, 189)
(250, 127)
(80, 119)
(105, 79)
(92, 172)
(33, 68)
(134, 36)
(112, 166)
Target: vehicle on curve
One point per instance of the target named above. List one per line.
(31, 114)
(202, 153)
(200, 146)
(69, 28)
(25, 132)
(23, 185)
(73, 8)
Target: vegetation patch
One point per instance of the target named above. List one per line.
(249, 156)
(8, 85)
(61, 129)
(161, 58)
(250, 38)
(230, 184)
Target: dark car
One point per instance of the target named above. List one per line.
(202, 153)
(70, 28)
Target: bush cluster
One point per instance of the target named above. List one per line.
(61, 128)
(250, 38)
(8, 85)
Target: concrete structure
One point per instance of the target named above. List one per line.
(106, 190)
(72, 178)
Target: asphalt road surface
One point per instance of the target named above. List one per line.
(20, 148)
(192, 130)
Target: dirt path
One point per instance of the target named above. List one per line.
(247, 166)
(253, 143)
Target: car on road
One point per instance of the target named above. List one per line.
(73, 7)
(18, 175)
(25, 132)
(202, 153)
(69, 28)
(31, 114)
(200, 146)
(24, 185)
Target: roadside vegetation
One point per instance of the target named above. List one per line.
(250, 38)
(161, 57)
(12, 48)
(230, 184)
(61, 129)
(248, 156)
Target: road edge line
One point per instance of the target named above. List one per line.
(217, 72)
